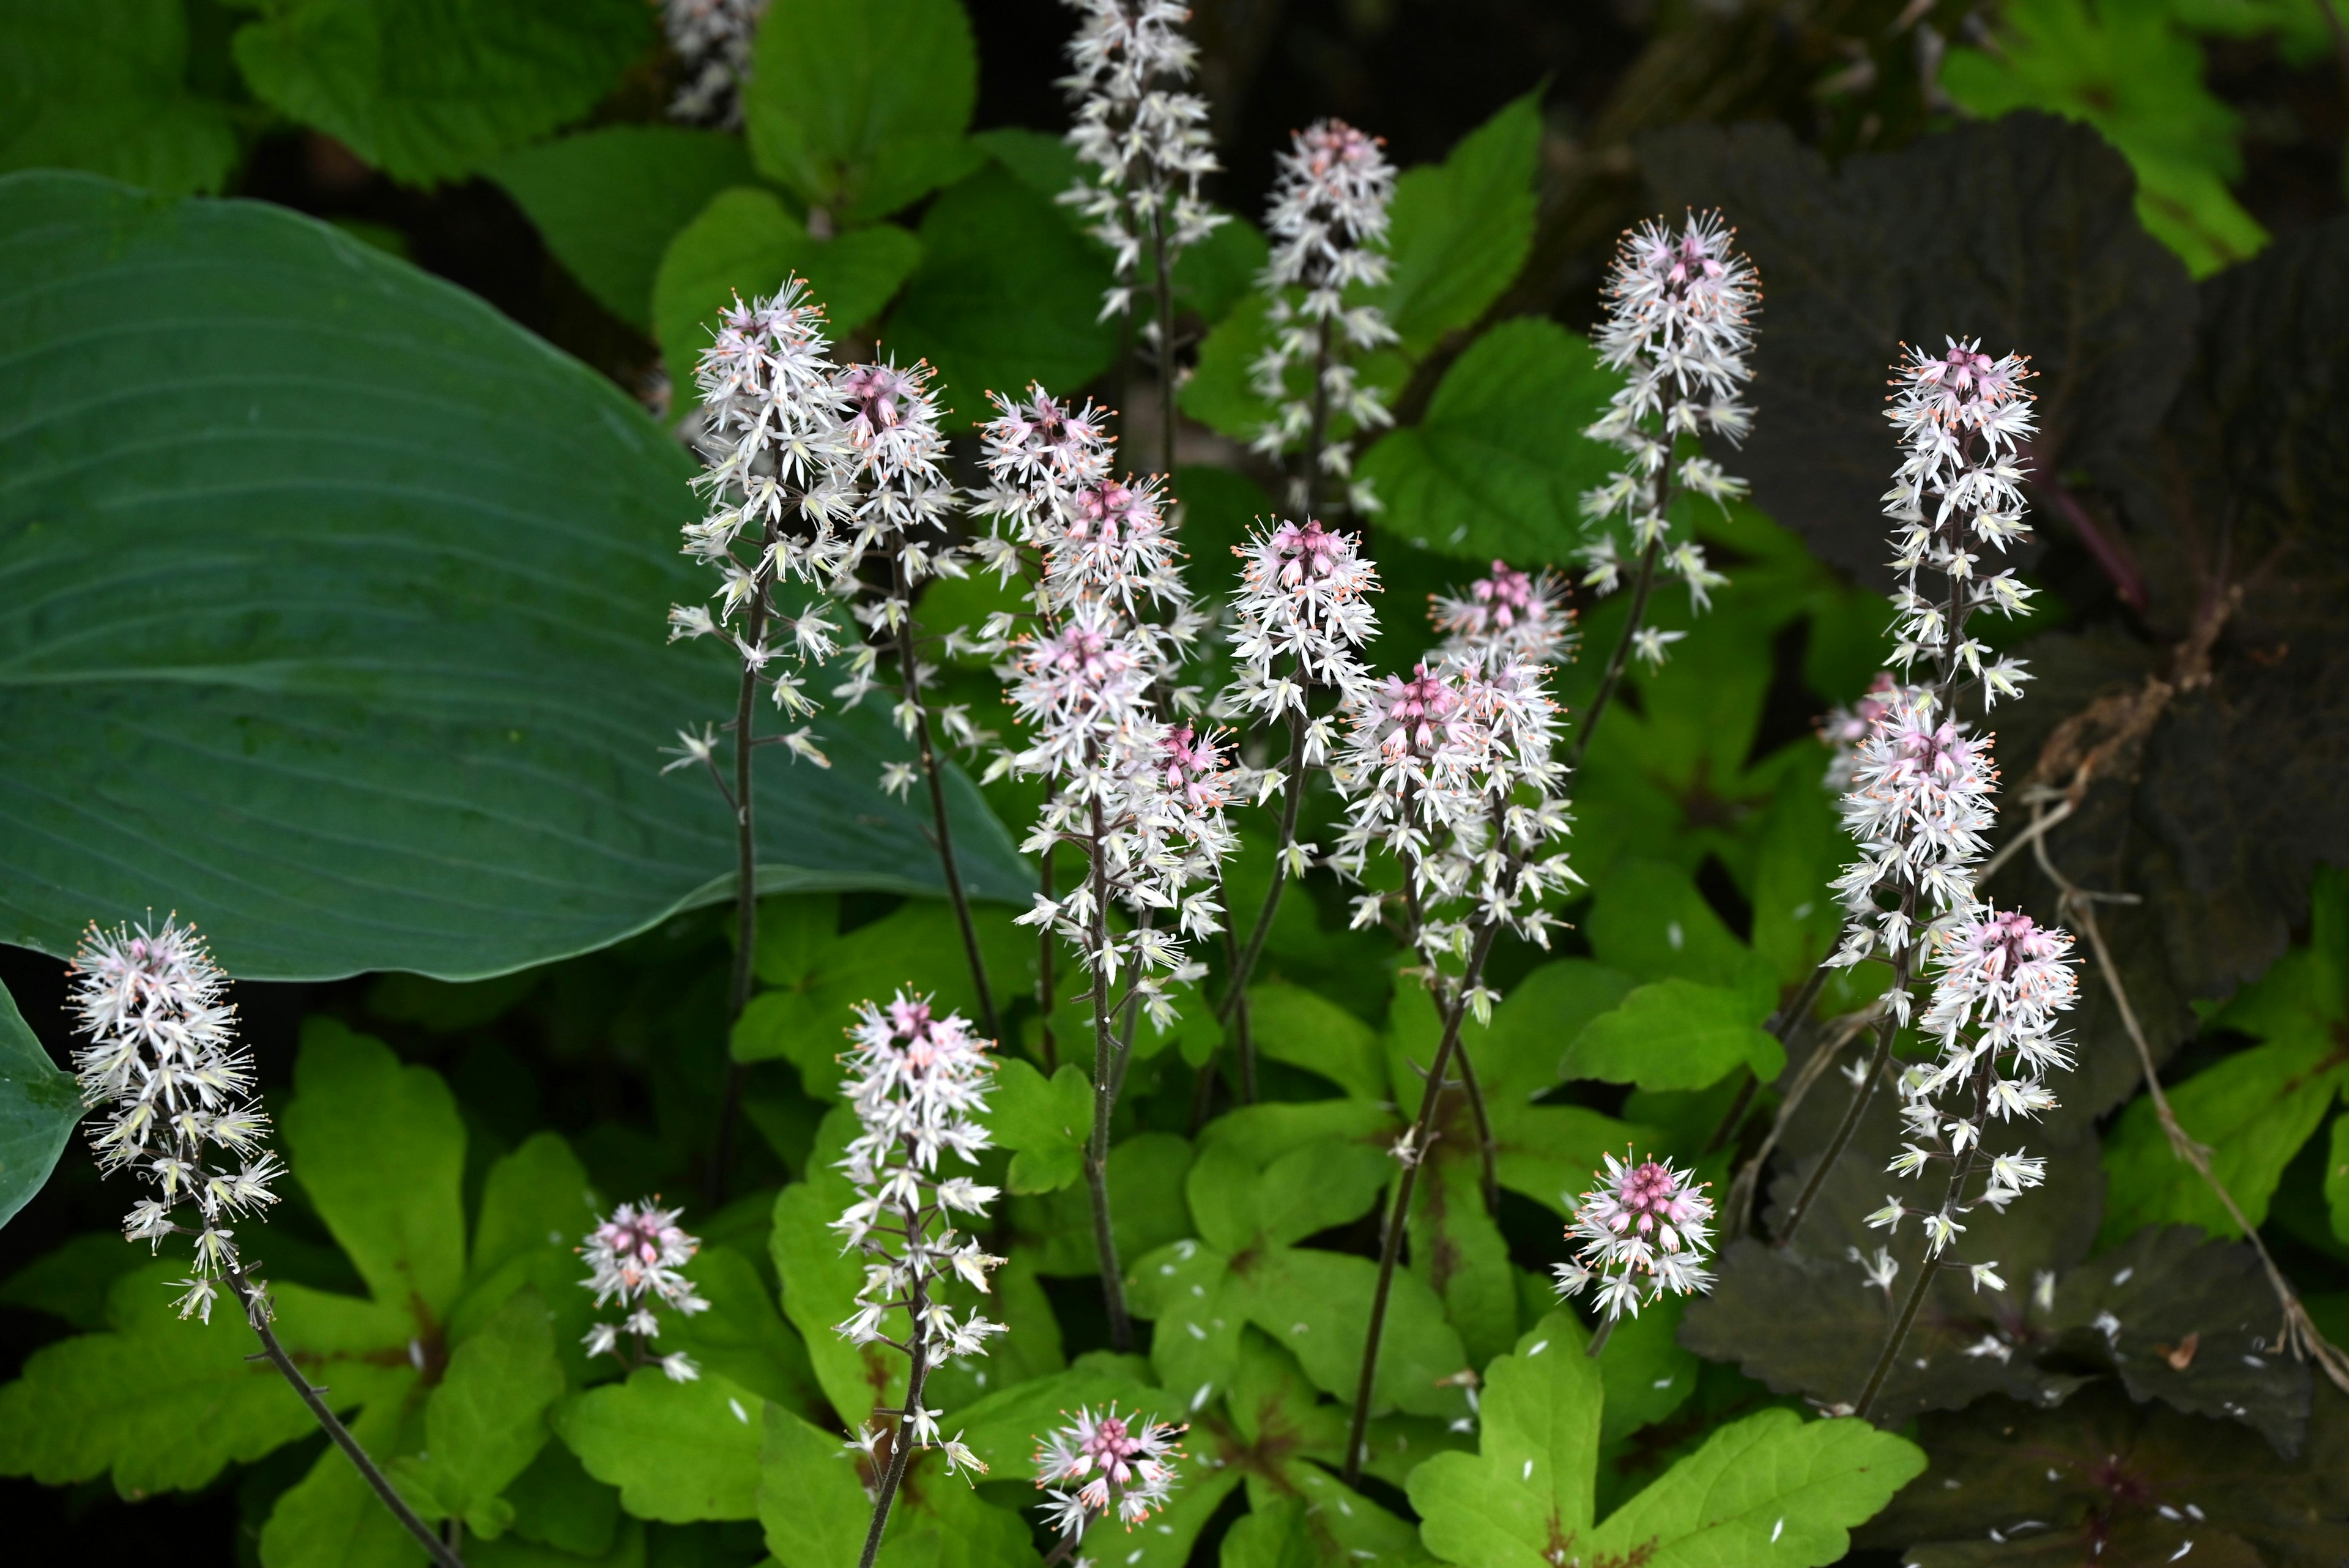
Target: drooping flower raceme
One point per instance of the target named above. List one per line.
(2000, 981)
(177, 1095)
(1643, 1231)
(1328, 224)
(919, 1084)
(711, 39)
(779, 483)
(1961, 415)
(637, 1258)
(1144, 138)
(1096, 1466)
(1678, 325)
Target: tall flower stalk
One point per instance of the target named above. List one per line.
(1452, 772)
(177, 1095)
(1300, 614)
(1327, 220)
(1678, 325)
(1919, 807)
(1132, 783)
(711, 40)
(919, 1084)
(1145, 139)
(811, 469)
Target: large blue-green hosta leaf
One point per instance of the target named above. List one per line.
(331, 610)
(38, 1107)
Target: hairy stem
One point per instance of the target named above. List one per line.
(900, 1452)
(1398, 1213)
(1488, 1147)
(1292, 802)
(1961, 1168)
(1641, 586)
(1045, 999)
(1606, 1332)
(257, 1313)
(746, 872)
(909, 673)
(1120, 1327)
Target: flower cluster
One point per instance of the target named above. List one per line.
(1961, 415)
(1453, 771)
(1328, 224)
(778, 478)
(1146, 139)
(1919, 808)
(919, 1084)
(1999, 981)
(177, 1089)
(711, 40)
(1843, 730)
(1645, 1230)
(1099, 1465)
(638, 1258)
(1678, 325)
(1092, 679)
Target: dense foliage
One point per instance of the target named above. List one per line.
(367, 360)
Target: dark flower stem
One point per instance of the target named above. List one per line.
(1105, 1077)
(1234, 1008)
(1162, 259)
(746, 873)
(1398, 1213)
(1605, 1332)
(257, 1313)
(900, 1452)
(943, 835)
(1612, 678)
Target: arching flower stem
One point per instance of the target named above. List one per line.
(1107, 1076)
(746, 870)
(1642, 584)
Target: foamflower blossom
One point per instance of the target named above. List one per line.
(1678, 325)
(918, 1084)
(1096, 1466)
(1144, 138)
(1327, 221)
(175, 1096)
(2000, 981)
(779, 484)
(711, 40)
(1644, 1231)
(1843, 728)
(635, 1258)
(1509, 615)
(1919, 808)
(1961, 416)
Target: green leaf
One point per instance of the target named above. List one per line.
(1802, 846)
(1524, 1500)
(38, 1107)
(332, 1518)
(1260, 1134)
(535, 1198)
(1318, 1187)
(1462, 228)
(1649, 920)
(1499, 466)
(2124, 69)
(486, 1419)
(859, 106)
(1006, 295)
(381, 1150)
(744, 243)
(810, 1503)
(102, 85)
(2336, 1178)
(1645, 1372)
(816, 978)
(1522, 1051)
(1146, 1176)
(1677, 1034)
(820, 1288)
(72, 1281)
(431, 91)
(743, 1338)
(1306, 1029)
(1200, 1309)
(1045, 1123)
(623, 1547)
(1772, 1490)
(385, 685)
(608, 202)
(558, 1504)
(2253, 1110)
(1458, 1249)
(1003, 1429)
(1318, 1305)
(678, 1452)
(1273, 1537)
(163, 1404)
